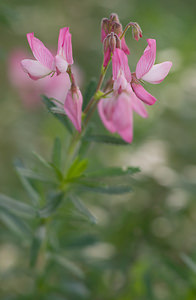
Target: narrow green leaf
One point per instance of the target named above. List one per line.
(36, 245)
(35, 176)
(83, 209)
(52, 205)
(62, 118)
(14, 223)
(107, 139)
(90, 91)
(113, 171)
(189, 262)
(41, 160)
(77, 168)
(103, 188)
(56, 154)
(18, 207)
(34, 196)
(69, 265)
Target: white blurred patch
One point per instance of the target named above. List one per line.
(177, 199)
(99, 251)
(8, 257)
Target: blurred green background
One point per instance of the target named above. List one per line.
(144, 245)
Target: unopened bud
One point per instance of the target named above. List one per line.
(112, 42)
(118, 42)
(110, 25)
(114, 18)
(136, 31)
(117, 28)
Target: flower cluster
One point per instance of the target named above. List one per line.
(124, 92)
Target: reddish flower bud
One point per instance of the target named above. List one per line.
(136, 31)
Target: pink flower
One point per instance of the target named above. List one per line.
(30, 90)
(64, 53)
(44, 63)
(146, 70)
(117, 110)
(73, 106)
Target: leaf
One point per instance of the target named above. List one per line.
(77, 168)
(56, 154)
(83, 209)
(54, 201)
(17, 207)
(62, 118)
(113, 171)
(41, 160)
(90, 91)
(34, 175)
(67, 264)
(14, 223)
(36, 245)
(103, 188)
(189, 262)
(107, 139)
(58, 110)
(34, 196)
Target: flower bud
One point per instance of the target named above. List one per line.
(136, 31)
(73, 106)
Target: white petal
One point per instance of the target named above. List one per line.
(158, 72)
(61, 64)
(35, 69)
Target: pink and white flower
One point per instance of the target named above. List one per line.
(44, 63)
(116, 112)
(64, 52)
(148, 71)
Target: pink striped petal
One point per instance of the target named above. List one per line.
(40, 52)
(124, 46)
(120, 63)
(123, 117)
(65, 45)
(34, 69)
(147, 60)
(143, 95)
(107, 56)
(73, 108)
(105, 109)
(158, 72)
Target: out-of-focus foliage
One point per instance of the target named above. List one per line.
(143, 243)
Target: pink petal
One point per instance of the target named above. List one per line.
(137, 104)
(143, 95)
(65, 45)
(120, 63)
(147, 60)
(158, 72)
(34, 69)
(40, 52)
(61, 64)
(73, 108)
(103, 35)
(124, 46)
(120, 83)
(61, 39)
(107, 56)
(105, 109)
(123, 117)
